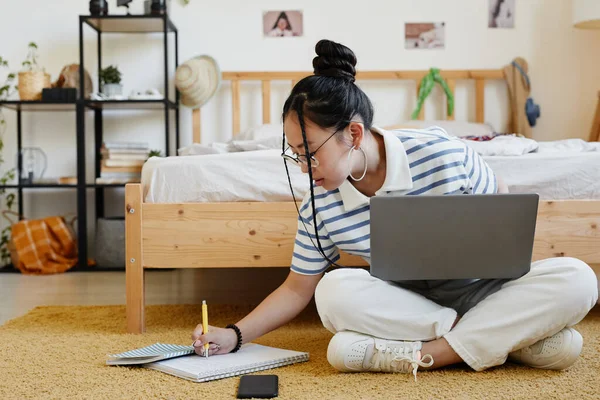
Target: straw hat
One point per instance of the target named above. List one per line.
(197, 79)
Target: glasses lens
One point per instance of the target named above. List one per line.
(313, 161)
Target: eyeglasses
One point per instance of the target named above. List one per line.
(301, 158)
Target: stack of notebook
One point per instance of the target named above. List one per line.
(181, 361)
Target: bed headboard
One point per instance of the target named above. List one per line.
(451, 76)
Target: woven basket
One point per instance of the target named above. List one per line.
(31, 84)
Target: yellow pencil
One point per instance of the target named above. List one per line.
(205, 325)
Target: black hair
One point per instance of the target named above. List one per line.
(330, 99)
(284, 16)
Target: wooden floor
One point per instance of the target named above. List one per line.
(20, 293)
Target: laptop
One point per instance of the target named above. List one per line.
(478, 236)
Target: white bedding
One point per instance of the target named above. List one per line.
(241, 171)
(240, 176)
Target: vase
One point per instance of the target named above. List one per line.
(112, 89)
(98, 7)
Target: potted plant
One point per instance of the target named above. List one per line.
(426, 86)
(110, 81)
(8, 176)
(32, 78)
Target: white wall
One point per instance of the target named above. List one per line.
(563, 66)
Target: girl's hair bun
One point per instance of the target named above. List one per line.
(334, 60)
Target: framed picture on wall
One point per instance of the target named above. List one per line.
(282, 23)
(501, 14)
(424, 35)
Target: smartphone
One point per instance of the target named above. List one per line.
(258, 386)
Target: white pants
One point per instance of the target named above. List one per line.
(555, 294)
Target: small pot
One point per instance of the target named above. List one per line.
(112, 89)
(158, 7)
(98, 7)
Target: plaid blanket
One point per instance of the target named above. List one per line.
(44, 246)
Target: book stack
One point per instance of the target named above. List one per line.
(122, 162)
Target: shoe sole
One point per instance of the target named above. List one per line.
(566, 362)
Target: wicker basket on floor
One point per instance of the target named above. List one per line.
(31, 84)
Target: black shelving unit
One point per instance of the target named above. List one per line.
(139, 24)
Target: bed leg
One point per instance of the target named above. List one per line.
(134, 267)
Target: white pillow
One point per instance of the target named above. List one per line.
(453, 128)
(261, 132)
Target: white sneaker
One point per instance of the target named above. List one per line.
(559, 351)
(356, 352)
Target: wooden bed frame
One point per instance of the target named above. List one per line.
(261, 234)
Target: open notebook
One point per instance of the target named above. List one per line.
(182, 362)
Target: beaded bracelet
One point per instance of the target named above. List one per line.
(239, 336)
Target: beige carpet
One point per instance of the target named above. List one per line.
(59, 353)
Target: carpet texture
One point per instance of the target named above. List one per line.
(59, 353)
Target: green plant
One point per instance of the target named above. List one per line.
(9, 200)
(425, 88)
(110, 74)
(30, 63)
(5, 91)
(154, 153)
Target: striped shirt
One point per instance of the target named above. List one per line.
(418, 162)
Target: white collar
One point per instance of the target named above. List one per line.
(397, 173)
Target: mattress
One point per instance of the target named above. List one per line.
(239, 176)
(260, 176)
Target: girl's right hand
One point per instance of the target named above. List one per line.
(221, 340)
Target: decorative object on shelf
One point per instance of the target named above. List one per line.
(34, 162)
(69, 78)
(149, 94)
(98, 7)
(110, 81)
(426, 86)
(67, 180)
(155, 153)
(124, 3)
(59, 95)
(160, 7)
(197, 79)
(586, 15)
(33, 78)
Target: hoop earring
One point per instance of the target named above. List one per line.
(365, 171)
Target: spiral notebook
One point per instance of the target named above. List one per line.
(181, 361)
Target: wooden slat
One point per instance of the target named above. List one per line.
(568, 228)
(595, 132)
(261, 234)
(196, 129)
(266, 101)
(480, 100)
(235, 105)
(134, 269)
(221, 235)
(367, 75)
(452, 87)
